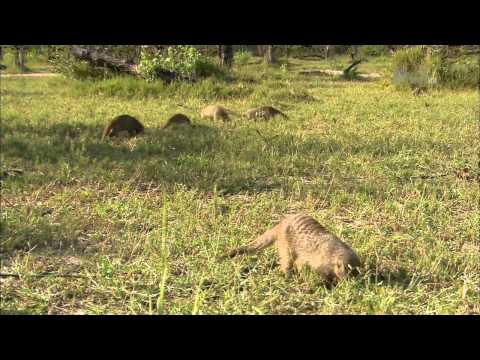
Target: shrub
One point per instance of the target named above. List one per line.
(460, 74)
(419, 67)
(206, 67)
(65, 64)
(242, 57)
(408, 60)
(373, 50)
(182, 59)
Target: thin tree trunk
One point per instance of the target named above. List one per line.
(354, 52)
(327, 50)
(269, 55)
(2, 67)
(260, 50)
(20, 56)
(16, 57)
(225, 53)
(23, 58)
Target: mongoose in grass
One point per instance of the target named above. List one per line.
(300, 241)
(177, 119)
(215, 112)
(264, 112)
(123, 124)
(419, 90)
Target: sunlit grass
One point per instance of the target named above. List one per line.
(352, 154)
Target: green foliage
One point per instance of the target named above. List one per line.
(408, 60)
(432, 68)
(373, 50)
(463, 73)
(242, 57)
(206, 67)
(182, 59)
(63, 63)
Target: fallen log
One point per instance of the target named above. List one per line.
(347, 70)
(96, 59)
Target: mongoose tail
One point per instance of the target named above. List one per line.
(259, 244)
(282, 114)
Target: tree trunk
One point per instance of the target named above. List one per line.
(269, 55)
(16, 58)
(327, 50)
(2, 67)
(225, 53)
(354, 52)
(22, 58)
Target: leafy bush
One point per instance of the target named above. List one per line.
(417, 67)
(206, 67)
(411, 68)
(409, 59)
(185, 60)
(460, 74)
(182, 59)
(65, 64)
(242, 57)
(373, 50)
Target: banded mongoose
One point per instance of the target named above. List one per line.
(177, 119)
(300, 241)
(215, 112)
(122, 124)
(264, 112)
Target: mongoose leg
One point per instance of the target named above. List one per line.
(299, 264)
(285, 258)
(340, 271)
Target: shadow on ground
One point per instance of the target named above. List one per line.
(235, 159)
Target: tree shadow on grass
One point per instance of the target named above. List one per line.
(236, 160)
(190, 155)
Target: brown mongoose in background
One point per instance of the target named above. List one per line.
(215, 112)
(122, 124)
(264, 112)
(177, 119)
(300, 241)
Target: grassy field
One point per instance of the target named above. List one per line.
(141, 221)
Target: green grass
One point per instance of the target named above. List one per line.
(142, 221)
